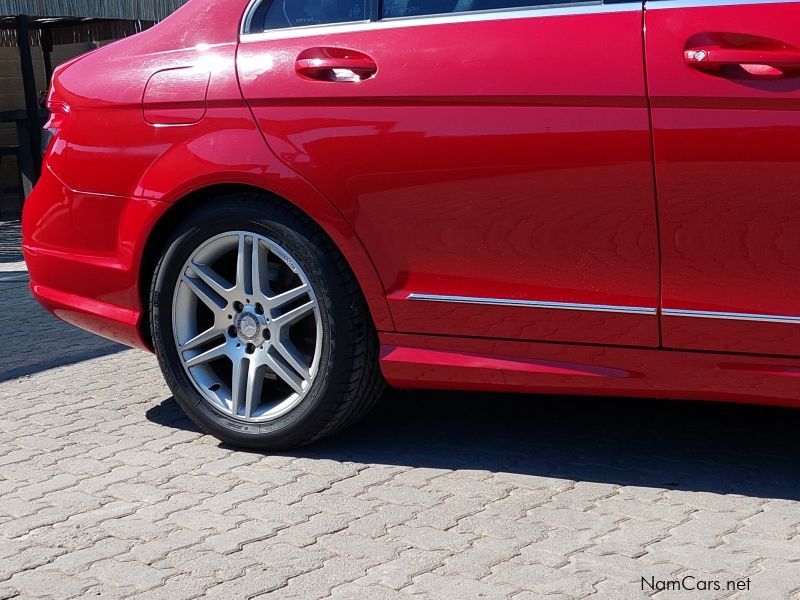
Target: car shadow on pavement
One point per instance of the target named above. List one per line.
(720, 448)
(33, 340)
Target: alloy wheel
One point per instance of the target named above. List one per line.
(247, 326)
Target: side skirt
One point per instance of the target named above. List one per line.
(438, 362)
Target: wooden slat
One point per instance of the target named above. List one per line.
(71, 32)
(149, 10)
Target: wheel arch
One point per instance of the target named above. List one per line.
(320, 214)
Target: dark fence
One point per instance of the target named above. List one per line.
(146, 10)
(76, 32)
(37, 26)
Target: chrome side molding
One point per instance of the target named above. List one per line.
(606, 308)
(703, 314)
(666, 4)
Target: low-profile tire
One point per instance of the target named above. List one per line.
(297, 380)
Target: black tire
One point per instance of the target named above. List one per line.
(348, 382)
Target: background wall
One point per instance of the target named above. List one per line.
(12, 98)
(88, 23)
(153, 10)
(81, 25)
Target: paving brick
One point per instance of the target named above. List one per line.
(775, 520)
(477, 560)
(44, 583)
(429, 538)
(398, 572)
(199, 519)
(445, 587)
(359, 547)
(319, 582)
(542, 579)
(354, 591)
(115, 494)
(718, 560)
(179, 587)
(245, 533)
(80, 560)
(555, 548)
(127, 574)
(208, 564)
(27, 560)
(775, 579)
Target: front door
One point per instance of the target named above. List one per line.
(724, 79)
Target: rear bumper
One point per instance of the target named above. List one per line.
(84, 256)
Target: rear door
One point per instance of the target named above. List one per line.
(493, 156)
(724, 79)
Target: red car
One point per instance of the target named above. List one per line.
(295, 201)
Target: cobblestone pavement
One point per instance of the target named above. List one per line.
(106, 490)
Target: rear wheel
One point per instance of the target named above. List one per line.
(260, 328)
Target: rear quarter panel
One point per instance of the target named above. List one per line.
(108, 161)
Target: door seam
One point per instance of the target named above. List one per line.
(649, 105)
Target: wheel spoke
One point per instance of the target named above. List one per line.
(205, 293)
(201, 339)
(247, 381)
(212, 279)
(260, 269)
(292, 355)
(255, 383)
(285, 298)
(238, 382)
(294, 315)
(244, 274)
(285, 373)
(209, 355)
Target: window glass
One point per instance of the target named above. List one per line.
(413, 8)
(281, 14)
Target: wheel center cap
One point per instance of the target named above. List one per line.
(248, 328)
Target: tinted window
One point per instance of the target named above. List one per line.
(412, 8)
(280, 14)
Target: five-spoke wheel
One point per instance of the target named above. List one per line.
(260, 328)
(244, 315)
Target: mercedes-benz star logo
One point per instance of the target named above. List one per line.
(248, 327)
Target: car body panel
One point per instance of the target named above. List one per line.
(726, 150)
(500, 215)
(477, 170)
(440, 362)
(108, 161)
(83, 253)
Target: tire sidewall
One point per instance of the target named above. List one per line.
(297, 423)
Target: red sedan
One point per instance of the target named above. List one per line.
(294, 202)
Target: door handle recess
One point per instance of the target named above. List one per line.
(753, 61)
(336, 65)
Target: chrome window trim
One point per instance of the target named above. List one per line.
(511, 9)
(251, 10)
(508, 302)
(572, 8)
(666, 4)
(704, 314)
(248, 17)
(567, 8)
